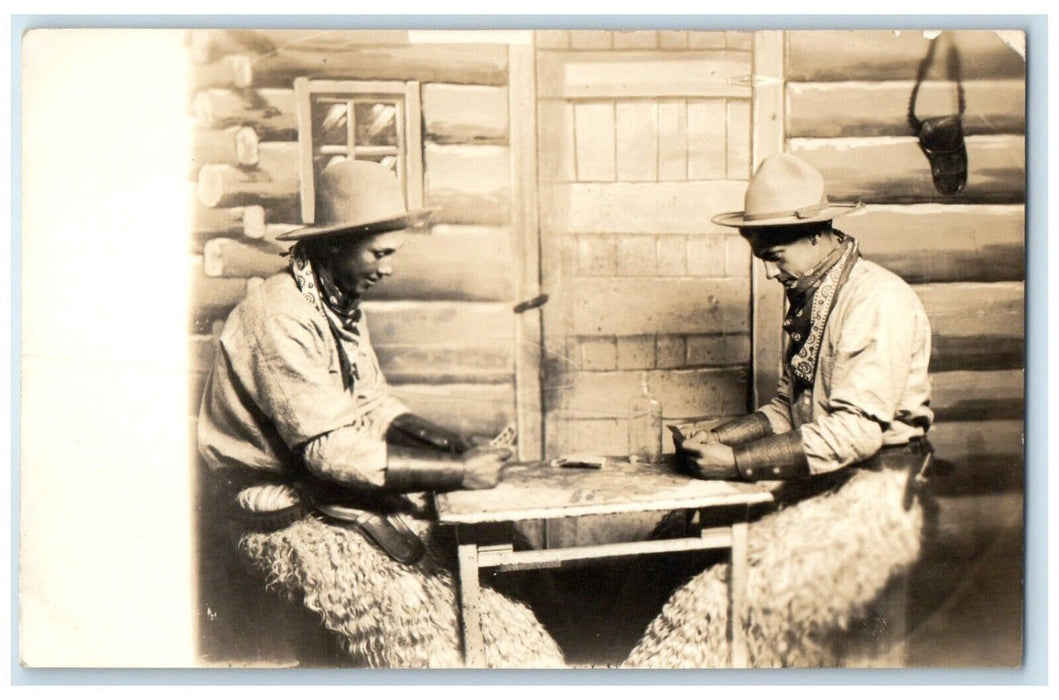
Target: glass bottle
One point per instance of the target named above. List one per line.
(645, 426)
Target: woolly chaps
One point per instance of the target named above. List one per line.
(815, 566)
(387, 614)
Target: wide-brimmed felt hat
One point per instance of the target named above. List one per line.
(784, 191)
(357, 197)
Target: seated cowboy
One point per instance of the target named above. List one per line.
(844, 442)
(318, 459)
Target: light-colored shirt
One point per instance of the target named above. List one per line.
(276, 395)
(872, 386)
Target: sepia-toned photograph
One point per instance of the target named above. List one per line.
(594, 349)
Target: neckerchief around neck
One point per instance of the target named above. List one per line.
(809, 306)
(341, 313)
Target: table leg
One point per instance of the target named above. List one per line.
(470, 609)
(737, 595)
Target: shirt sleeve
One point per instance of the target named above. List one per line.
(778, 410)
(309, 406)
(349, 455)
(871, 367)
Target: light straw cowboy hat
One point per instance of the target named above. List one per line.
(784, 191)
(358, 197)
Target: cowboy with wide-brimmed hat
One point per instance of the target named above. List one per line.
(843, 442)
(316, 455)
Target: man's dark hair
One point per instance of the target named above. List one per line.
(782, 235)
(326, 246)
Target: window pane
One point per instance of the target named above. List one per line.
(330, 123)
(321, 161)
(390, 161)
(376, 123)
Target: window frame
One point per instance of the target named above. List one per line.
(408, 120)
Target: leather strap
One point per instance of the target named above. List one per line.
(955, 74)
(416, 469)
(743, 429)
(774, 457)
(410, 430)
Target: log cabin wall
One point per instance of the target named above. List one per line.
(442, 325)
(643, 136)
(847, 96)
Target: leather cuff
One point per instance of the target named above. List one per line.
(409, 430)
(774, 457)
(410, 469)
(743, 429)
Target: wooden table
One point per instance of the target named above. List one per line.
(540, 492)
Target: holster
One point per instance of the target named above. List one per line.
(375, 516)
(388, 532)
(941, 139)
(916, 457)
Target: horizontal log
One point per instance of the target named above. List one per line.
(270, 112)
(471, 409)
(975, 326)
(943, 243)
(430, 365)
(251, 220)
(420, 342)
(227, 186)
(210, 44)
(207, 44)
(603, 74)
(476, 64)
(231, 71)
(465, 113)
(962, 396)
(237, 145)
(900, 172)
(468, 184)
(646, 305)
(212, 298)
(888, 55)
(977, 353)
(442, 324)
(275, 177)
(972, 309)
(468, 408)
(684, 394)
(451, 263)
(466, 263)
(625, 207)
(444, 365)
(827, 110)
(978, 456)
(227, 257)
(209, 222)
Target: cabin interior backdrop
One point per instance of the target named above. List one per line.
(585, 165)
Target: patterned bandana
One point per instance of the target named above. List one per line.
(809, 305)
(341, 311)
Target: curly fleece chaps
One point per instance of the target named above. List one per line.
(387, 614)
(814, 567)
